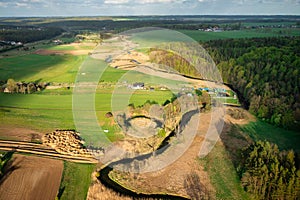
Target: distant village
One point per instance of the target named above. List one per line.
(7, 45)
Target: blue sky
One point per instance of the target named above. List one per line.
(147, 7)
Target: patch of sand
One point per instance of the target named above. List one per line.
(129, 60)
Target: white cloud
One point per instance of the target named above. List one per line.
(155, 1)
(150, 7)
(141, 1)
(18, 4)
(116, 1)
(3, 4)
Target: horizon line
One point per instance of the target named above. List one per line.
(155, 15)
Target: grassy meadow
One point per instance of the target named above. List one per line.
(268, 32)
(222, 174)
(48, 68)
(75, 181)
(260, 130)
(48, 110)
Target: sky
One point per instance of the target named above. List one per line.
(14, 8)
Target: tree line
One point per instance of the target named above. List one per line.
(28, 34)
(265, 72)
(12, 86)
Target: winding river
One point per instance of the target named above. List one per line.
(109, 183)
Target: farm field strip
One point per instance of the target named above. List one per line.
(31, 177)
(36, 149)
(206, 36)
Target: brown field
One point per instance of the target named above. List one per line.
(19, 134)
(30, 178)
(62, 52)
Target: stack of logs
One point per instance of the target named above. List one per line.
(66, 142)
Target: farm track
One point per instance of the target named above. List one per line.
(38, 149)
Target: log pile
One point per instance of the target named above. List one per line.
(66, 142)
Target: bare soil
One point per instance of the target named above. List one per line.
(113, 48)
(244, 120)
(31, 178)
(129, 60)
(20, 134)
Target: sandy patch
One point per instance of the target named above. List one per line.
(112, 48)
(30, 178)
(129, 60)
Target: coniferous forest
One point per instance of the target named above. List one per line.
(268, 173)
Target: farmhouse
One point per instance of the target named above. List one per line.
(223, 94)
(138, 86)
(57, 41)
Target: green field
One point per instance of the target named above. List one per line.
(52, 109)
(155, 38)
(62, 47)
(222, 174)
(268, 23)
(47, 112)
(75, 181)
(38, 67)
(206, 36)
(285, 139)
(39, 112)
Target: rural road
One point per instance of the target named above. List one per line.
(41, 150)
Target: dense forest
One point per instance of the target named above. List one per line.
(265, 72)
(28, 34)
(268, 173)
